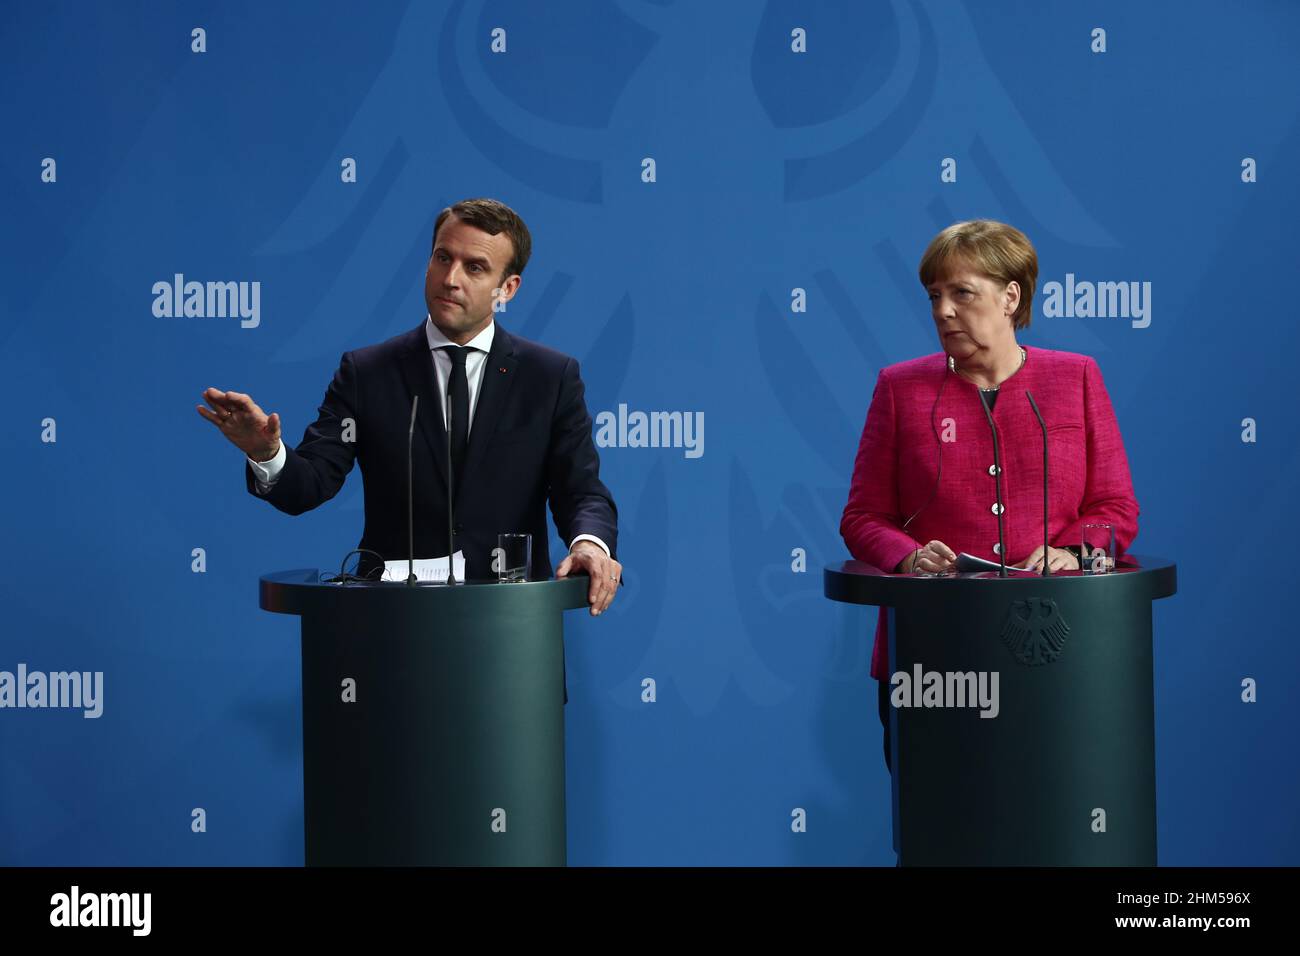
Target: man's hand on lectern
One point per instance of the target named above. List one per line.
(605, 573)
(247, 427)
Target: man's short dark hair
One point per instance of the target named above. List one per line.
(492, 217)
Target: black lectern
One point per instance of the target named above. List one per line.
(432, 719)
(1026, 732)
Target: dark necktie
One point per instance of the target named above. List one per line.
(459, 413)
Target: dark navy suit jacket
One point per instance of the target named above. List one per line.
(530, 444)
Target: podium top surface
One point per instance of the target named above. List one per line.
(856, 582)
(301, 591)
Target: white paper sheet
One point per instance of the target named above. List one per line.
(426, 569)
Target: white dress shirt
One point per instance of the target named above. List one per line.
(265, 473)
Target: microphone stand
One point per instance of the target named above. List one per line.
(1047, 570)
(451, 563)
(410, 505)
(997, 487)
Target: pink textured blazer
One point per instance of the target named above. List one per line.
(898, 460)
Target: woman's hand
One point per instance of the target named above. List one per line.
(933, 558)
(1060, 560)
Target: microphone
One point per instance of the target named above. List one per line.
(451, 564)
(1047, 570)
(997, 489)
(410, 511)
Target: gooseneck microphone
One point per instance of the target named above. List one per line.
(997, 490)
(451, 471)
(410, 511)
(1047, 570)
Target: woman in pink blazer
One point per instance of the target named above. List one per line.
(923, 482)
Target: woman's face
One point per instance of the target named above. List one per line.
(972, 313)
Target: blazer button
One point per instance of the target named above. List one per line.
(997, 548)
(996, 508)
(456, 530)
(994, 469)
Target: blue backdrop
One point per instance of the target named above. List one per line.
(826, 170)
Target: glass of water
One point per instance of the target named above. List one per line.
(1097, 553)
(513, 557)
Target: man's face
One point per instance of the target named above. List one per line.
(464, 270)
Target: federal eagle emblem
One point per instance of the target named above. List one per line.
(1035, 631)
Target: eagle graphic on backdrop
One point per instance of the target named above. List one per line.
(446, 113)
(1035, 631)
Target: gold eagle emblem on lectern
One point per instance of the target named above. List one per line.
(1035, 631)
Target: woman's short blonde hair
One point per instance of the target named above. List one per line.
(993, 249)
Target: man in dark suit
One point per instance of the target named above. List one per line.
(520, 433)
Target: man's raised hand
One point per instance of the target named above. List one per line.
(240, 419)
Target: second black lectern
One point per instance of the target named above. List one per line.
(1026, 731)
